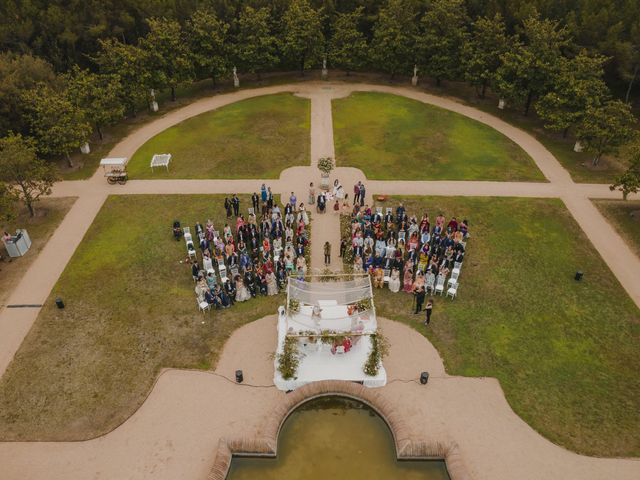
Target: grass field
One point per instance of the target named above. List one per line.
(253, 138)
(625, 218)
(394, 138)
(566, 353)
(49, 213)
(130, 311)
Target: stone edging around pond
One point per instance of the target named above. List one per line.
(407, 448)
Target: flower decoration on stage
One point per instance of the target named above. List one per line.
(294, 305)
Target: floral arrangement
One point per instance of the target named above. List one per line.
(294, 305)
(325, 165)
(364, 304)
(288, 360)
(379, 350)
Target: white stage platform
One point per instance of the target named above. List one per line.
(318, 363)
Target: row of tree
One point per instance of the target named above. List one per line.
(68, 32)
(539, 66)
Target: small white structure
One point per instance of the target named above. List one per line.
(18, 244)
(160, 160)
(332, 323)
(578, 147)
(115, 169)
(85, 148)
(414, 79)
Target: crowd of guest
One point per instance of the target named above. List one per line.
(251, 255)
(405, 252)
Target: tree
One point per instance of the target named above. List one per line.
(605, 128)
(303, 39)
(481, 53)
(577, 87)
(26, 176)
(528, 69)
(97, 96)
(7, 204)
(394, 37)
(255, 46)
(17, 74)
(443, 33)
(166, 55)
(348, 45)
(208, 44)
(56, 124)
(629, 181)
(128, 62)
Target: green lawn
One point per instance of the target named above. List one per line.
(391, 137)
(625, 218)
(566, 353)
(577, 164)
(253, 138)
(130, 311)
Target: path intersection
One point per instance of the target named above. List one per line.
(176, 431)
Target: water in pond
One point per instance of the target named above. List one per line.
(332, 438)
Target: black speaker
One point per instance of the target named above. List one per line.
(424, 378)
(239, 377)
(578, 276)
(59, 303)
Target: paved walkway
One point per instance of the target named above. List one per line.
(176, 431)
(173, 434)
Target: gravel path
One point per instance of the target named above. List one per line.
(175, 432)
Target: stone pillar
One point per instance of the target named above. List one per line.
(578, 146)
(414, 79)
(85, 148)
(325, 71)
(502, 103)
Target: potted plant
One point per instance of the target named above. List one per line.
(325, 165)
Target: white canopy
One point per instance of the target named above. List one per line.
(161, 160)
(334, 309)
(114, 162)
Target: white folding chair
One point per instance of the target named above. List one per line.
(379, 210)
(388, 210)
(439, 284)
(453, 279)
(402, 235)
(452, 291)
(234, 272)
(222, 270)
(191, 251)
(207, 264)
(187, 237)
(251, 211)
(430, 284)
(203, 305)
(387, 276)
(457, 266)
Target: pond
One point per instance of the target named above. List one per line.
(334, 437)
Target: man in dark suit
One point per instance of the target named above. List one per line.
(227, 206)
(255, 201)
(236, 205)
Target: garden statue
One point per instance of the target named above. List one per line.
(325, 72)
(236, 80)
(154, 104)
(414, 79)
